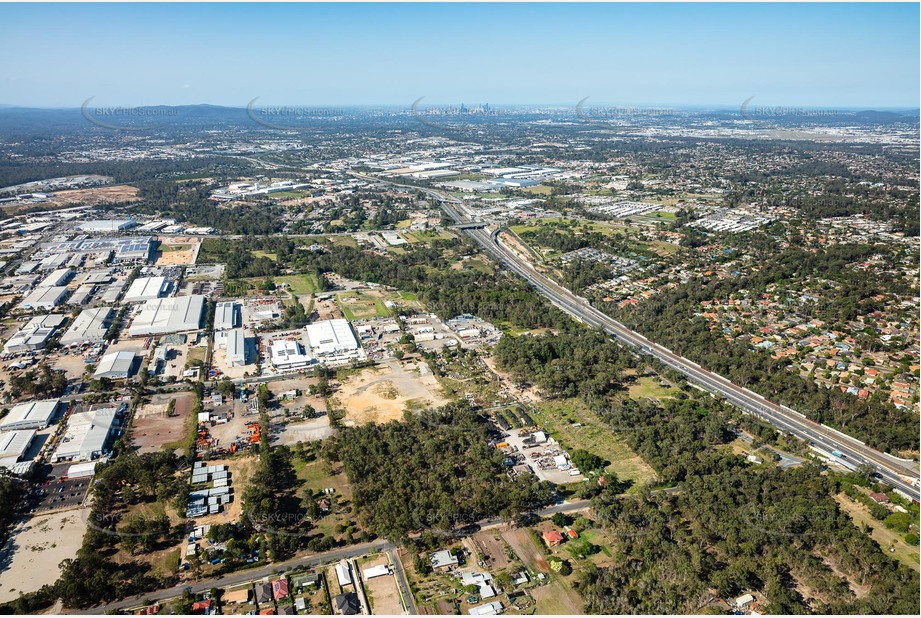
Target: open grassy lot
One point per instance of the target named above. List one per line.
(538, 190)
(299, 284)
(427, 236)
(559, 416)
(902, 551)
(356, 305)
(649, 387)
(259, 254)
(343, 241)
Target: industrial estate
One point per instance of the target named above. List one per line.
(465, 359)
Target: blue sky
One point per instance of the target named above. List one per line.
(833, 55)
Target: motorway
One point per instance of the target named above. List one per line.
(899, 473)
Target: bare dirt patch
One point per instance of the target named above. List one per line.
(36, 547)
(152, 428)
(382, 591)
(178, 250)
(383, 393)
(96, 195)
(524, 547)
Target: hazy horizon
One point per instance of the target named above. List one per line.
(846, 56)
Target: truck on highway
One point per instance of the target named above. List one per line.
(837, 454)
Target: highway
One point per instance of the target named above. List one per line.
(890, 469)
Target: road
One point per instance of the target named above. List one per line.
(402, 583)
(275, 568)
(889, 468)
(783, 418)
(353, 551)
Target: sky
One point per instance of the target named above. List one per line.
(822, 55)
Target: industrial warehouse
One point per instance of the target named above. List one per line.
(168, 315)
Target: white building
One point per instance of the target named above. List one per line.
(332, 340)
(289, 354)
(43, 299)
(168, 315)
(226, 315)
(35, 334)
(146, 288)
(86, 435)
(30, 415)
(115, 365)
(107, 225)
(89, 327)
(234, 343)
(58, 278)
(14, 445)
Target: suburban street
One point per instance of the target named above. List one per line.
(889, 468)
(277, 568)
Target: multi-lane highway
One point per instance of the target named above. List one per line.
(901, 474)
(820, 436)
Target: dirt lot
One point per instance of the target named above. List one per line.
(178, 250)
(381, 394)
(71, 364)
(524, 547)
(36, 548)
(152, 428)
(490, 543)
(96, 195)
(382, 591)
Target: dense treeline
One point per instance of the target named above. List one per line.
(12, 489)
(13, 173)
(731, 528)
(189, 202)
(94, 576)
(240, 262)
(583, 362)
(433, 471)
(665, 319)
(445, 291)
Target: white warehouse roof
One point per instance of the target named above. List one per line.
(44, 298)
(115, 365)
(146, 288)
(226, 315)
(30, 415)
(57, 278)
(86, 435)
(90, 326)
(331, 337)
(13, 446)
(168, 315)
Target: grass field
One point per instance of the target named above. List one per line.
(259, 254)
(343, 241)
(300, 284)
(559, 416)
(365, 307)
(648, 386)
(903, 552)
(538, 190)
